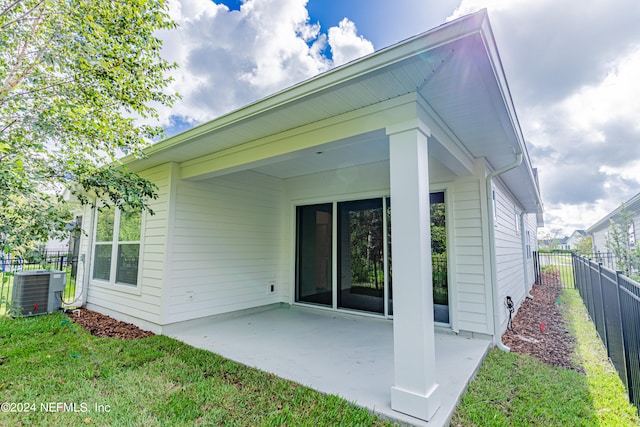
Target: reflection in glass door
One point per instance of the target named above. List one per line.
(361, 255)
(313, 268)
(439, 258)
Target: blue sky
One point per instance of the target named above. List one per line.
(572, 68)
(383, 22)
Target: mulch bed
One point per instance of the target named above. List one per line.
(538, 329)
(100, 325)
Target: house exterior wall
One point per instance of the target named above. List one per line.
(468, 266)
(600, 234)
(141, 304)
(573, 240)
(600, 240)
(372, 178)
(227, 246)
(216, 246)
(509, 252)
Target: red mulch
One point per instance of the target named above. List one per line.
(538, 329)
(104, 326)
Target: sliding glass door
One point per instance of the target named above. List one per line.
(361, 255)
(439, 258)
(314, 255)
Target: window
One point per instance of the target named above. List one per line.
(117, 238)
(528, 249)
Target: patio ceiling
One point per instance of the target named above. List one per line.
(362, 149)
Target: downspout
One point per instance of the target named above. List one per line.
(492, 245)
(86, 261)
(524, 237)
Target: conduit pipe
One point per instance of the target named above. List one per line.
(492, 248)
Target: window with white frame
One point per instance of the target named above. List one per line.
(117, 246)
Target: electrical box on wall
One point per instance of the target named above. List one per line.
(271, 286)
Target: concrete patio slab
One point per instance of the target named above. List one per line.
(336, 353)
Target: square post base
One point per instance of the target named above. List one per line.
(416, 405)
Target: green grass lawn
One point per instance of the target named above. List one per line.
(517, 390)
(48, 361)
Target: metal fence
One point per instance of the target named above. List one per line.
(559, 265)
(613, 303)
(11, 264)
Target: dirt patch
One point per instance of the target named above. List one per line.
(101, 325)
(539, 330)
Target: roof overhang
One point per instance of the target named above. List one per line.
(633, 204)
(455, 69)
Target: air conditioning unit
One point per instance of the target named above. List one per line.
(34, 292)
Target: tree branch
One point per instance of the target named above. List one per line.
(28, 12)
(9, 85)
(8, 8)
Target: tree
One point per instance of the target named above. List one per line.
(584, 246)
(77, 79)
(619, 242)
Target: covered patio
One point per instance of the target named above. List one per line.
(336, 353)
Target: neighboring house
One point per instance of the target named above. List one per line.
(557, 243)
(302, 197)
(61, 246)
(600, 230)
(576, 237)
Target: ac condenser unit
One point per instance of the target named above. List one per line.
(34, 292)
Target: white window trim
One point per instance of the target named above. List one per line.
(112, 284)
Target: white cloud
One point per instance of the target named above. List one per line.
(617, 97)
(230, 58)
(345, 43)
(572, 68)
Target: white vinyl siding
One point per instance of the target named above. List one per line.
(227, 246)
(469, 284)
(509, 254)
(145, 301)
(342, 184)
(600, 240)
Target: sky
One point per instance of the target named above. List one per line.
(573, 68)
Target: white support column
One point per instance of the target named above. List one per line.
(415, 391)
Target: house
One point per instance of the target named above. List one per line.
(561, 243)
(575, 238)
(600, 230)
(301, 199)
